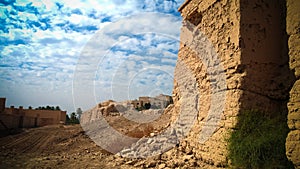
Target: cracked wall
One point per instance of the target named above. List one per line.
(220, 24)
(293, 31)
(264, 56)
(251, 41)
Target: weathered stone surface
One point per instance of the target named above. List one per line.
(264, 58)
(293, 147)
(249, 39)
(293, 30)
(293, 139)
(294, 53)
(293, 17)
(294, 107)
(219, 24)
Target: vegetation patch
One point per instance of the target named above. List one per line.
(258, 141)
(73, 119)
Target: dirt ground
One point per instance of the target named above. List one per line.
(67, 146)
(52, 147)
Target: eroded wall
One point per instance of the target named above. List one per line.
(219, 22)
(264, 56)
(250, 39)
(293, 30)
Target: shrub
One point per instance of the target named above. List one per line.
(259, 142)
(147, 106)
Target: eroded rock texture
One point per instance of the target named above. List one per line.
(250, 40)
(218, 21)
(293, 30)
(256, 44)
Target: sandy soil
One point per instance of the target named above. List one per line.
(52, 147)
(67, 146)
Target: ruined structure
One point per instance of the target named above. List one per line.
(161, 101)
(12, 118)
(140, 102)
(255, 42)
(293, 31)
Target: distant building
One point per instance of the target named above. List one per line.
(159, 102)
(24, 118)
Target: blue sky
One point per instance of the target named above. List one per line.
(43, 45)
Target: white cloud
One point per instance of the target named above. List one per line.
(55, 38)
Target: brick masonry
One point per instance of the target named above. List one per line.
(257, 43)
(293, 30)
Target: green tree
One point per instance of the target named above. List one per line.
(147, 105)
(67, 119)
(57, 108)
(73, 116)
(73, 119)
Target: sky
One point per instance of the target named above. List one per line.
(77, 53)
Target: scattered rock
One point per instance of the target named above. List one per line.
(162, 166)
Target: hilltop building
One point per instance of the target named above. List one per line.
(160, 102)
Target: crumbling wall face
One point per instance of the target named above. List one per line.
(251, 42)
(293, 30)
(264, 56)
(218, 21)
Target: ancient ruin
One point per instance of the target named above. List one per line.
(112, 108)
(161, 101)
(12, 118)
(257, 43)
(293, 31)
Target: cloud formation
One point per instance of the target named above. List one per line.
(41, 43)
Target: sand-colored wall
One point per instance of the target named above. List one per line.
(293, 30)
(55, 115)
(264, 56)
(19, 117)
(250, 40)
(219, 22)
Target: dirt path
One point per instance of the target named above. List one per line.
(67, 146)
(51, 147)
(60, 147)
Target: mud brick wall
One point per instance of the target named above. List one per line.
(293, 31)
(250, 40)
(10, 121)
(219, 22)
